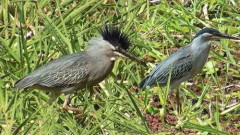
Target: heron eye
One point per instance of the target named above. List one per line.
(211, 35)
(215, 34)
(117, 47)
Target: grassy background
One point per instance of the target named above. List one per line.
(34, 32)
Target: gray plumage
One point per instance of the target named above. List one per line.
(71, 72)
(80, 70)
(185, 63)
(60, 73)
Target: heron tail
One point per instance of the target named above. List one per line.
(143, 84)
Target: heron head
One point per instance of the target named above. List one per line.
(210, 33)
(119, 43)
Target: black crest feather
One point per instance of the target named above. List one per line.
(115, 37)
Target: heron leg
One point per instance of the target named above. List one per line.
(91, 91)
(67, 107)
(178, 102)
(66, 101)
(93, 96)
(53, 97)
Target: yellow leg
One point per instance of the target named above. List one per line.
(67, 107)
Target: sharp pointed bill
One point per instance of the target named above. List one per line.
(186, 62)
(129, 55)
(120, 41)
(227, 36)
(80, 70)
(213, 34)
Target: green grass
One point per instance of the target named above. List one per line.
(64, 27)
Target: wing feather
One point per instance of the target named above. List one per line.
(62, 72)
(66, 77)
(177, 65)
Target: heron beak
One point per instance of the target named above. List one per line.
(227, 36)
(130, 56)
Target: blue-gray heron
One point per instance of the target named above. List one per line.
(186, 62)
(80, 70)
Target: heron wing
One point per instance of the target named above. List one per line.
(62, 72)
(177, 70)
(175, 65)
(66, 77)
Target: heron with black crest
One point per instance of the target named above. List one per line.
(77, 71)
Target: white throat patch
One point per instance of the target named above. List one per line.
(113, 58)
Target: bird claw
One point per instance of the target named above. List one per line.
(76, 110)
(79, 115)
(72, 109)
